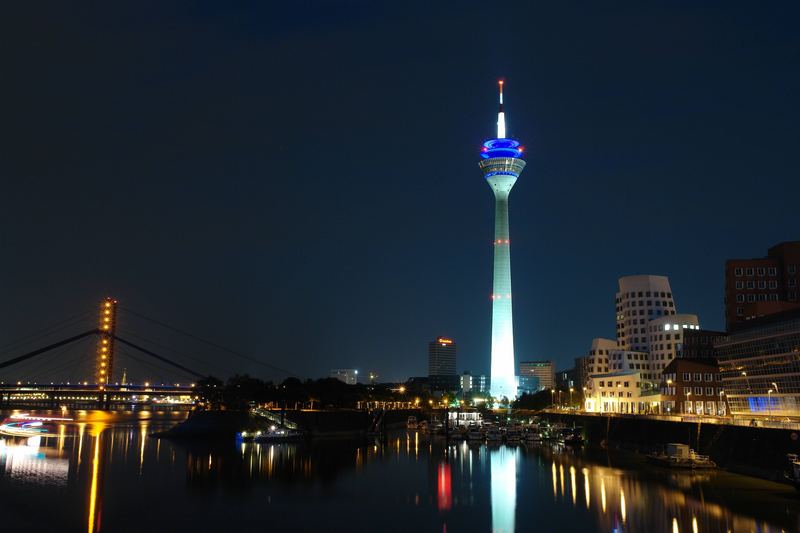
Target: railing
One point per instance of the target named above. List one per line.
(272, 417)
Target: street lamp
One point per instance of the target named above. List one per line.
(570, 397)
(721, 403)
(688, 405)
(769, 402)
(553, 397)
(584, 397)
(747, 381)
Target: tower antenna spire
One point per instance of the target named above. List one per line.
(501, 116)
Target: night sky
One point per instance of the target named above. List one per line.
(298, 181)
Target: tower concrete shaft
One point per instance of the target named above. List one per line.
(501, 164)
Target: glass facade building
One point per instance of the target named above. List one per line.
(760, 366)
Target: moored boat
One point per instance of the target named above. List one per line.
(676, 455)
(272, 435)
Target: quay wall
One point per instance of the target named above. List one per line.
(756, 451)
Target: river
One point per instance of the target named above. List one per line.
(102, 473)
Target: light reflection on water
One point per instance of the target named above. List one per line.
(432, 485)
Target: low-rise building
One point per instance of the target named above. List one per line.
(621, 392)
(543, 370)
(693, 386)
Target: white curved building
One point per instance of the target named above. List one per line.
(665, 336)
(641, 299)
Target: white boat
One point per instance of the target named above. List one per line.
(412, 422)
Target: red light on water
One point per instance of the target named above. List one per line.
(445, 488)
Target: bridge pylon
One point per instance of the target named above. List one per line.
(105, 345)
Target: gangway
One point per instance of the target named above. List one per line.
(272, 417)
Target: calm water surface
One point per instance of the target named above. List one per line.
(103, 473)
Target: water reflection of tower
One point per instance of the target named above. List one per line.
(504, 488)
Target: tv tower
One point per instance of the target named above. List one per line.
(501, 163)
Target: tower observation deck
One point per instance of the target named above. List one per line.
(501, 163)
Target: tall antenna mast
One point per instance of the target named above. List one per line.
(501, 116)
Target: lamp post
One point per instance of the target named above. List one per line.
(775, 386)
(570, 397)
(747, 381)
(552, 397)
(669, 393)
(721, 403)
(769, 402)
(688, 405)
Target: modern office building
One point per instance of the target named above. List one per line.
(758, 360)
(699, 343)
(481, 383)
(442, 365)
(565, 379)
(528, 385)
(465, 382)
(544, 371)
(580, 371)
(665, 338)
(639, 300)
(764, 285)
(692, 386)
(501, 163)
(347, 375)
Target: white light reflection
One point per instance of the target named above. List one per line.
(573, 485)
(586, 485)
(504, 488)
(603, 493)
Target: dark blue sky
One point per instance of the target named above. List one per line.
(299, 181)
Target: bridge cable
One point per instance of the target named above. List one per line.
(45, 331)
(174, 351)
(150, 364)
(160, 358)
(53, 346)
(48, 359)
(211, 343)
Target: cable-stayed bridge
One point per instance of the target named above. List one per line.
(82, 362)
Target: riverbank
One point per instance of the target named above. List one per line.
(754, 451)
(316, 424)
